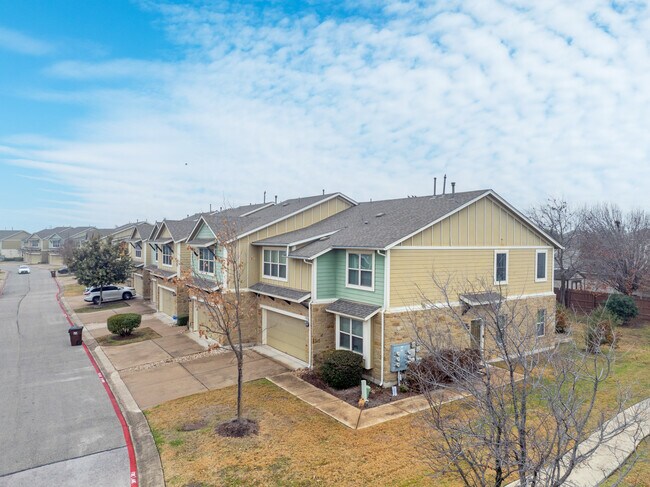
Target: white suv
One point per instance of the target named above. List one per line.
(23, 269)
(109, 293)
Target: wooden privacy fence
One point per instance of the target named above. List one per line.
(587, 301)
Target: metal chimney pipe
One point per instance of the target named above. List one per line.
(264, 196)
(435, 182)
(276, 199)
(323, 192)
(444, 184)
(453, 188)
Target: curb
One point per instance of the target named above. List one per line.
(146, 467)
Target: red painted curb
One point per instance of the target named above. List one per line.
(111, 396)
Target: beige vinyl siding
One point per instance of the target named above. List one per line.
(298, 274)
(253, 255)
(411, 272)
(483, 223)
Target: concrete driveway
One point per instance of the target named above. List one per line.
(57, 424)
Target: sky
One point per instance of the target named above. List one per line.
(119, 111)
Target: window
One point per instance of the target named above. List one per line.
(350, 334)
(360, 270)
(275, 264)
(540, 265)
(541, 322)
(155, 253)
(33, 243)
(138, 250)
(500, 334)
(167, 255)
(56, 244)
(206, 261)
(501, 267)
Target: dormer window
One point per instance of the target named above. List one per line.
(138, 250)
(56, 244)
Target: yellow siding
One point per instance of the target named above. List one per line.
(412, 271)
(252, 255)
(483, 223)
(298, 275)
(165, 233)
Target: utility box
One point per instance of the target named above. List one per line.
(401, 354)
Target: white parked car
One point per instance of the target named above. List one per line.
(109, 293)
(24, 269)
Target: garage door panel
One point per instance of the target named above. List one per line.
(287, 334)
(138, 284)
(167, 302)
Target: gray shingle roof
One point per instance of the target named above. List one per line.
(46, 232)
(242, 223)
(374, 224)
(352, 308)
(161, 273)
(479, 299)
(295, 295)
(179, 229)
(5, 234)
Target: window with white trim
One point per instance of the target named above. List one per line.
(540, 324)
(138, 250)
(206, 261)
(56, 244)
(167, 254)
(360, 270)
(354, 335)
(155, 253)
(33, 243)
(275, 264)
(501, 267)
(540, 265)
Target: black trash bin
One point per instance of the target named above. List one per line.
(75, 335)
(53, 273)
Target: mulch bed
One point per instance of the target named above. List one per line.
(238, 428)
(138, 335)
(378, 395)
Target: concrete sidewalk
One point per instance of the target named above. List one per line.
(609, 456)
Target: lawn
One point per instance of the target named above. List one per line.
(91, 308)
(73, 290)
(139, 335)
(300, 446)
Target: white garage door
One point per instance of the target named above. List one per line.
(138, 284)
(167, 302)
(287, 334)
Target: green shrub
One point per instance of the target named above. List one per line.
(123, 324)
(442, 367)
(341, 369)
(601, 326)
(182, 320)
(561, 319)
(622, 306)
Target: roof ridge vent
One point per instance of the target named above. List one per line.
(326, 237)
(286, 203)
(379, 215)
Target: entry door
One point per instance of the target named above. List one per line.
(476, 331)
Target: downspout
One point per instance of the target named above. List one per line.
(383, 311)
(309, 313)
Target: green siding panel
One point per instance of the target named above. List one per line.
(331, 278)
(218, 276)
(204, 232)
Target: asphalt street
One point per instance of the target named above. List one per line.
(57, 424)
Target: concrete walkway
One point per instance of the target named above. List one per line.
(609, 456)
(352, 416)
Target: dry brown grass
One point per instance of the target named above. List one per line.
(138, 335)
(73, 290)
(298, 445)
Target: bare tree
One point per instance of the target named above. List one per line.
(222, 298)
(617, 247)
(529, 406)
(564, 224)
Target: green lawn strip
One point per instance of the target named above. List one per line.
(138, 335)
(91, 308)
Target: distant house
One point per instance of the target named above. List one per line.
(11, 242)
(44, 247)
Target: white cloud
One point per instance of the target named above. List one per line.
(15, 41)
(529, 100)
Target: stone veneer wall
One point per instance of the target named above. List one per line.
(400, 328)
(323, 329)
